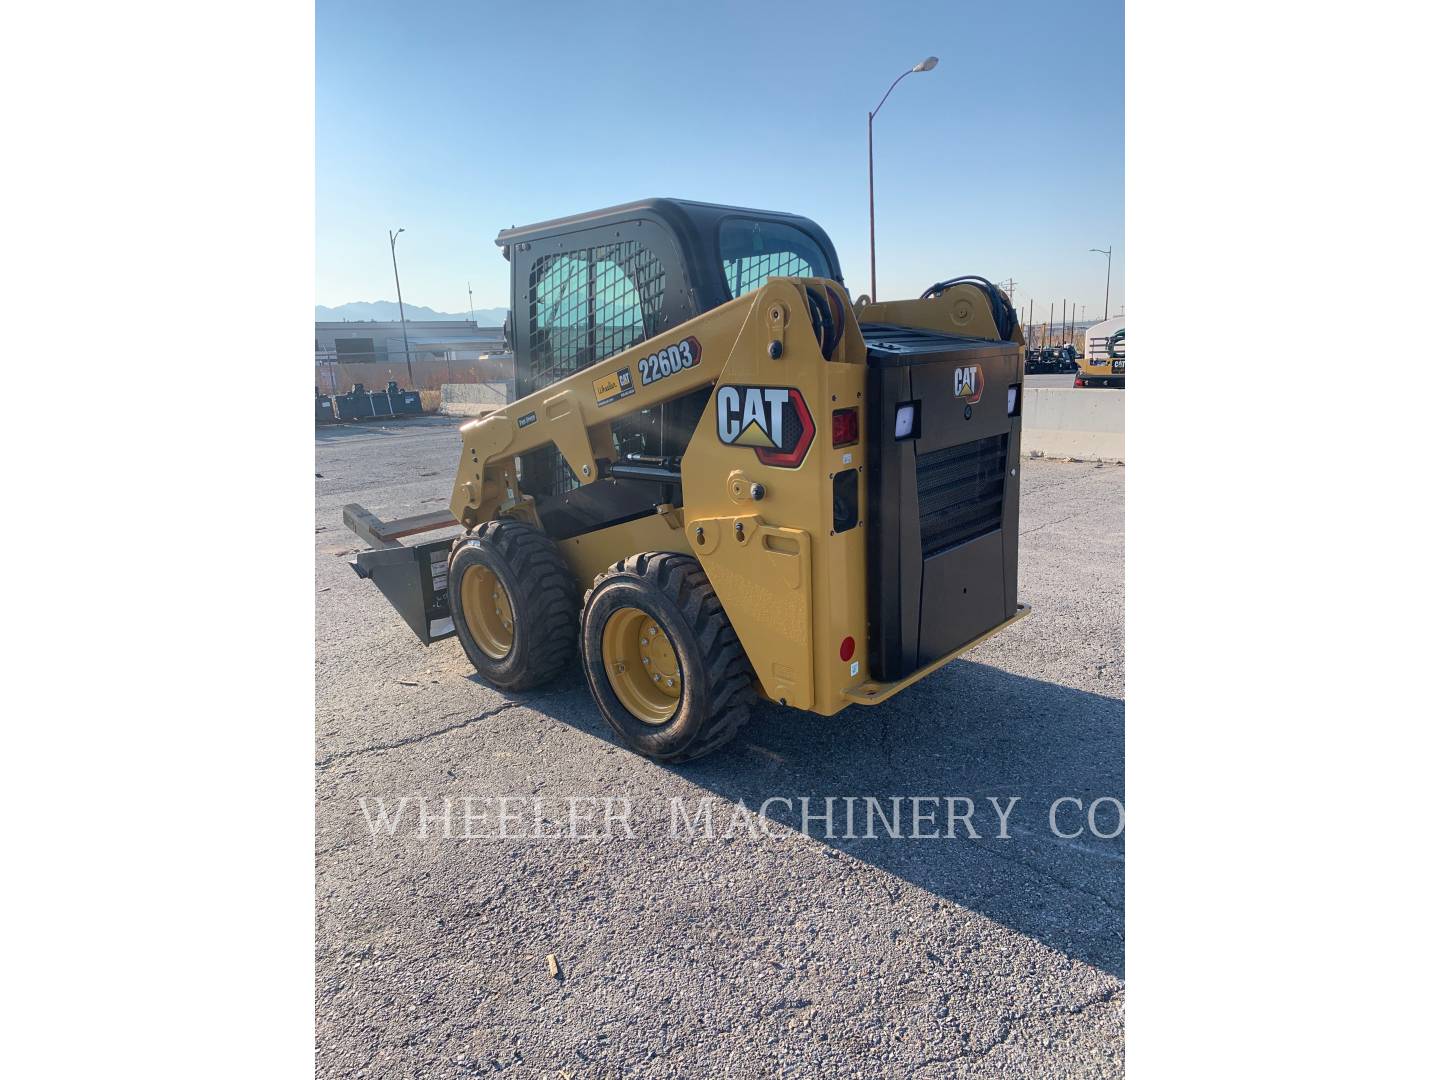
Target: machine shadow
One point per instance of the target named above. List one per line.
(969, 731)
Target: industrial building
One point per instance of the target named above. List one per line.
(441, 351)
(384, 342)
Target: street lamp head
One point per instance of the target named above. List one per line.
(1100, 251)
(928, 64)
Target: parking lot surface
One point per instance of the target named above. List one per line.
(754, 955)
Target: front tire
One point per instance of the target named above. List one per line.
(514, 603)
(663, 662)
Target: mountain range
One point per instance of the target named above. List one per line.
(389, 311)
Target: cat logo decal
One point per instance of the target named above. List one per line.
(773, 420)
(970, 383)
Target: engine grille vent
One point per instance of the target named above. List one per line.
(961, 492)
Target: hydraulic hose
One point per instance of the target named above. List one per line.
(1001, 309)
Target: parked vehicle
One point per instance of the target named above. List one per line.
(1051, 360)
(1104, 356)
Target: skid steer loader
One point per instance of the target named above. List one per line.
(721, 478)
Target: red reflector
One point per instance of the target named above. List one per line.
(1079, 381)
(847, 649)
(844, 427)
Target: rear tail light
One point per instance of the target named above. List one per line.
(845, 427)
(1079, 381)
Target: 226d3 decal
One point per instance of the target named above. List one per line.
(669, 360)
(774, 420)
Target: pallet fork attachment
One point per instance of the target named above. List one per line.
(415, 579)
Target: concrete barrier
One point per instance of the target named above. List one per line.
(472, 399)
(1060, 422)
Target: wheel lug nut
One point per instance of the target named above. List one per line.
(645, 660)
(656, 677)
(669, 682)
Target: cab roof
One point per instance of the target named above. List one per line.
(680, 214)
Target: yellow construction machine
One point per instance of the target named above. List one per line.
(721, 478)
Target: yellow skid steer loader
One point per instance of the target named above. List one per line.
(721, 478)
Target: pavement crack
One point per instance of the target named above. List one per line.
(1050, 876)
(1007, 1023)
(1058, 521)
(411, 740)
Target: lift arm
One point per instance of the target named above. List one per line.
(576, 413)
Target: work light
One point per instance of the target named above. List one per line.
(905, 421)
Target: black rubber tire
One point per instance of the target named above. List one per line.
(718, 691)
(544, 600)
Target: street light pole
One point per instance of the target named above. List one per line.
(870, 145)
(928, 64)
(409, 371)
(1106, 253)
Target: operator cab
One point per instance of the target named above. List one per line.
(586, 287)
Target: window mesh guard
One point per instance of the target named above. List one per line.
(585, 306)
(751, 271)
(588, 305)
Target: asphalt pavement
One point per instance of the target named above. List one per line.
(760, 953)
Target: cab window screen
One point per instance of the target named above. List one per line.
(589, 304)
(752, 252)
(585, 305)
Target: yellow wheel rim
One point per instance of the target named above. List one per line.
(488, 615)
(641, 663)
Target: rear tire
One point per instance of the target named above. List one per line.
(666, 604)
(514, 603)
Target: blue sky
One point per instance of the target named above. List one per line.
(455, 120)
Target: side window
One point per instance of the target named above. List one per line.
(356, 350)
(585, 305)
(589, 304)
(752, 252)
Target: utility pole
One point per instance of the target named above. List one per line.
(1050, 323)
(1064, 321)
(472, 300)
(409, 371)
(1030, 323)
